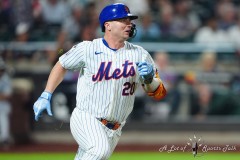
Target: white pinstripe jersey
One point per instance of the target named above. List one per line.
(107, 79)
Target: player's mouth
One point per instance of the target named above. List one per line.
(127, 31)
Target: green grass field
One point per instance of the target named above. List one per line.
(122, 156)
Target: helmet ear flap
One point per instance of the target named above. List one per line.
(133, 31)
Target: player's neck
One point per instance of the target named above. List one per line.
(114, 43)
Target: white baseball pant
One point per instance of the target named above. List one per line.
(95, 140)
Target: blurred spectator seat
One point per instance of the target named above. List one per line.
(185, 22)
(54, 11)
(148, 30)
(22, 110)
(206, 102)
(210, 33)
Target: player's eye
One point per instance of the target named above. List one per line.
(124, 20)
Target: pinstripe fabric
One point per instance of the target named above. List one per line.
(105, 89)
(104, 98)
(96, 141)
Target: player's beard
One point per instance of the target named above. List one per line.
(125, 35)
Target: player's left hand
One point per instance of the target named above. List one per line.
(43, 103)
(145, 71)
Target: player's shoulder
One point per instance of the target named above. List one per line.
(82, 43)
(96, 41)
(85, 44)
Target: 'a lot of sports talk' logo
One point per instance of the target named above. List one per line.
(197, 147)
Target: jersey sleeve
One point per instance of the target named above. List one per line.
(74, 59)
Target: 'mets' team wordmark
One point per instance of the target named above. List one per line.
(104, 69)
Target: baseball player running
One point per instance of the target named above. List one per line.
(110, 71)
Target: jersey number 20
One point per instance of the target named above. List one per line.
(128, 89)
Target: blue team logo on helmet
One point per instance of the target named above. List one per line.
(113, 12)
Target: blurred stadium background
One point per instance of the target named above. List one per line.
(195, 44)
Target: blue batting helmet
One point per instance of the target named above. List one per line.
(113, 12)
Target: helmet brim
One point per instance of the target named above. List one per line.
(132, 17)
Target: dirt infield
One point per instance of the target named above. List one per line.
(131, 142)
(73, 148)
(59, 147)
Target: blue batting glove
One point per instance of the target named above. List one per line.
(41, 104)
(145, 71)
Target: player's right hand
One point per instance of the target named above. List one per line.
(41, 104)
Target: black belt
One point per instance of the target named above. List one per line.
(110, 125)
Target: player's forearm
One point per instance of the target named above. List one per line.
(159, 93)
(152, 86)
(155, 89)
(55, 78)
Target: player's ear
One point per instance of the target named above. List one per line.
(107, 26)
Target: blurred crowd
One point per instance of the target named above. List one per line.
(160, 20)
(209, 89)
(70, 21)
